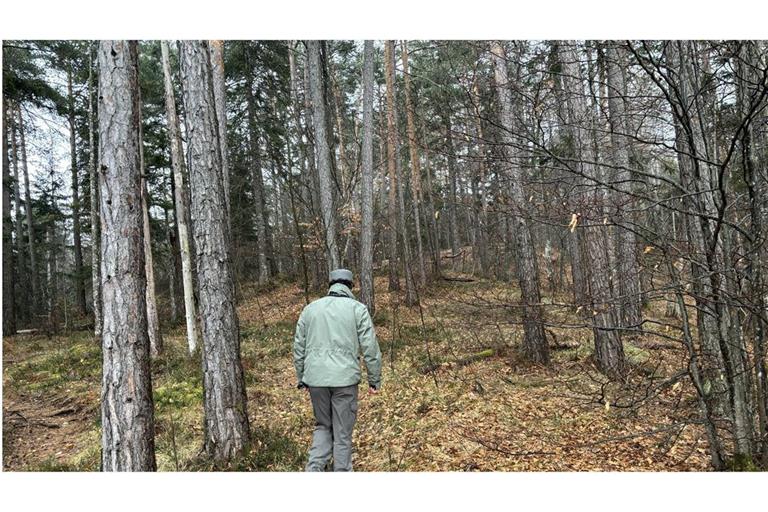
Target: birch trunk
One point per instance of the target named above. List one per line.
(367, 295)
(177, 162)
(95, 222)
(227, 432)
(534, 345)
(127, 413)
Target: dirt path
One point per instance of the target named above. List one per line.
(42, 434)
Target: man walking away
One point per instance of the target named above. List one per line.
(330, 334)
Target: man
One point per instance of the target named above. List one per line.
(330, 334)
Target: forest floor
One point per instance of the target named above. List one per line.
(455, 397)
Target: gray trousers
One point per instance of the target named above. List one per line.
(335, 414)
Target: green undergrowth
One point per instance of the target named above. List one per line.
(270, 450)
(60, 364)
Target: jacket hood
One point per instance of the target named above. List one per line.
(341, 289)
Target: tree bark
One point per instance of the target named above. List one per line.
(28, 213)
(392, 215)
(453, 221)
(257, 178)
(177, 162)
(609, 351)
(216, 48)
(367, 295)
(153, 322)
(753, 143)
(410, 287)
(127, 413)
(79, 285)
(22, 306)
(628, 270)
(302, 156)
(95, 222)
(227, 432)
(415, 166)
(9, 309)
(535, 346)
(722, 361)
(322, 154)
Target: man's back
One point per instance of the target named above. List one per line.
(330, 334)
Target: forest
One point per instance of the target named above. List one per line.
(563, 245)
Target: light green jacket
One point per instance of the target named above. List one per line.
(330, 334)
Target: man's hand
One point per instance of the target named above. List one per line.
(372, 390)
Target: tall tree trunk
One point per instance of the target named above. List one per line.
(227, 432)
(79, 285)
(302, 157)
(410, 287)
(9, 309)
(367, 295)
(95, 222)
(127, 412)
(389, 66)
(480, 202)
(320, 278)
(28, 213)
(453, 221)
(153, 322)
(628, 270)
(177, 162)
(169, 229)
(695, 176)
(609, 351)
(579, 268)
(257, 178)
(22, 306)
(216, 48)
(415, 166)
(535, 346)
(431, 219)
(52, 287)
(322, 153)
(752, 143)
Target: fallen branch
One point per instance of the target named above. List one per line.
(451, 256)
(464, 361)
(458, 279)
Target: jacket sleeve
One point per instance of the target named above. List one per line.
(366, 336)
(299, 347)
